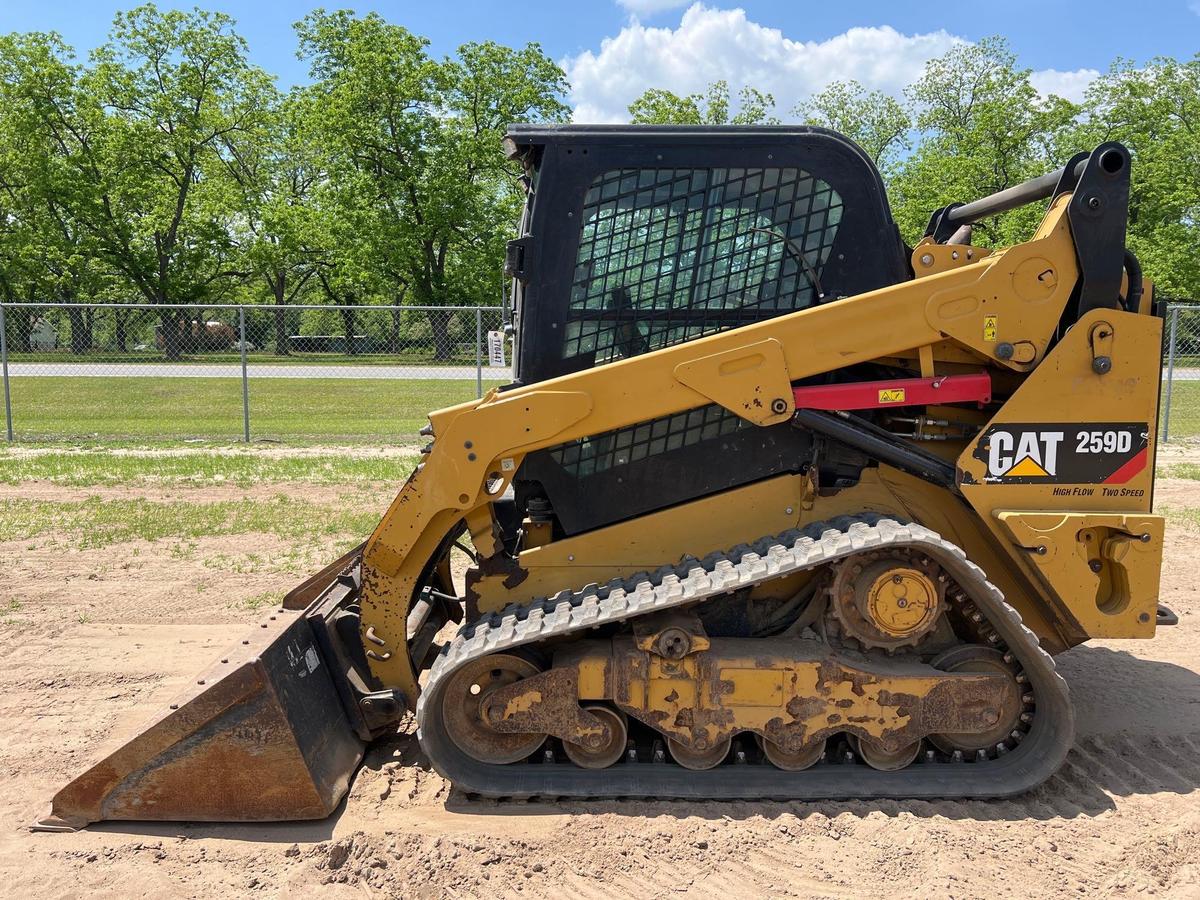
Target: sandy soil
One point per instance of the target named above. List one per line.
(94, 640)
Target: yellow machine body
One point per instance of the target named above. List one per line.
(478, 445)
(900, 596)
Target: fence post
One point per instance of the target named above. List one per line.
(1166, 429)
(478, 353)
(4, 369)
(245, 379)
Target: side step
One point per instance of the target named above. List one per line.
(262, 735)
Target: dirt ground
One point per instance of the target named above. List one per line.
(98, 639)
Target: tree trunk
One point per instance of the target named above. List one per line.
(120, 318)
(19, 323)
(279, 288)
(348, 321)
(171, 326)
(81, 338)
(394, 335)
(439, 324)
(281, 333)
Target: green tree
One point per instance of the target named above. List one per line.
(45, 252)
(276, 172)
(134, 152)
(876, 122)
(1155, 111)
(662, 107)
(170, 91)
(418, 142)
(983, 127)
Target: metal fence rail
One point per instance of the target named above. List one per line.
(112, 371)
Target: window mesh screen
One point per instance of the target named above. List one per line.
(668, 255)
(601, 452)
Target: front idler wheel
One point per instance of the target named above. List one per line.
(464, 709)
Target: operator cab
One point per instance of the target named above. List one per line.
(635, 238)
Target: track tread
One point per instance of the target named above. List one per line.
(692, 580)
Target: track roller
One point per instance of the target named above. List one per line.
(884, 760)
(607, 751)
(699, 760)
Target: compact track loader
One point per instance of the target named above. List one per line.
(775, 506)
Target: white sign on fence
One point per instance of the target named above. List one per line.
(495, 345)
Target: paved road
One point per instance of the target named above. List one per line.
(1183, 375)
(224, 370)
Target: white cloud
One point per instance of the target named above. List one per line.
(650, 7)
(1068, 85)
(711, 44)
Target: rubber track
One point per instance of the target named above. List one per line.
(1036, 758)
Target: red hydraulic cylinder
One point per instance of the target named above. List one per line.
(938, 390)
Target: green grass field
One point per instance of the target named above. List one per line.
(295, 411)
(380, 411)
(1185, 410)
(97, 522)
(101, 466)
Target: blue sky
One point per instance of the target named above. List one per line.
(614, 49)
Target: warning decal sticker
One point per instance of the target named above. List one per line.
(1043, 453)
(989, 329)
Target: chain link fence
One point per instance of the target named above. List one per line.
(250, 372)
(1179, 414)
(128, 372)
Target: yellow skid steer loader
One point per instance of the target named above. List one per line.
(768, 488)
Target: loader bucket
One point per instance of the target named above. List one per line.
(261, 735)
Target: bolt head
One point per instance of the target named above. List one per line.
(927, 259)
